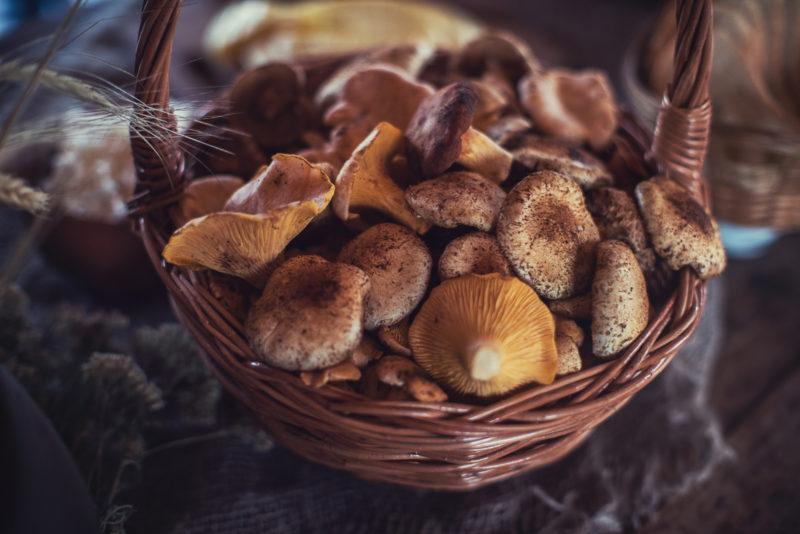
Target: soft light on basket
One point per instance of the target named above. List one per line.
(450, 445)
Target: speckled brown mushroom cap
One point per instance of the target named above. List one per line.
(457, 198)
(399, 267)
(620, 306)
(538, 154)
(579, 307)
(434, 132)
(365, 180)
(576, 107)
(203, 196)
(681, 230)
(268, 102)
(310, 314)
(617, 217)
(548, 235)
(475, 253)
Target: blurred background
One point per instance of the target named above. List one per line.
(87, 334)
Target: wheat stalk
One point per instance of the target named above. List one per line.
(18, 72)
(15, 192)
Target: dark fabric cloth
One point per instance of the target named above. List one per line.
(663, 442)
(41, 491)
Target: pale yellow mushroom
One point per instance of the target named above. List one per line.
(365, 182)
(277, 205)
(485, 335)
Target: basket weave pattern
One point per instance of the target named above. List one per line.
(449, 446)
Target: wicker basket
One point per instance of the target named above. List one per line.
(755, 174)
(447, 446)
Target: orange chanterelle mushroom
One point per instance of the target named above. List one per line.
(485, 335)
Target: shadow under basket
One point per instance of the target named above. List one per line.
(450, 445)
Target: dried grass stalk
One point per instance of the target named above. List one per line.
(15, 192)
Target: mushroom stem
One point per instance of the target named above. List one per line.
(482, 155)
(483, 359)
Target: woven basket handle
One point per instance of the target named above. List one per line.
(680, 139)
(684, 121)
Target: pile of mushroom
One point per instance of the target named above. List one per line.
(432, 224)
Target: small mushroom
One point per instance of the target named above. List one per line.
(496, 51)
(617, 217)
(547, 234)
(268, 102)
(204, 196)
(682, 231)
(538, 154)
(576, 107)
(492, 101)
(365, 181)
(620, 306)
(233, 293)
(439, 135)
(457, 198)
(395, 337)
(368, 98)
(399, 267)
(475, 253)
(569, 338)
(485, 335)
(366, 351)
(244, 243)
(579, 307)
(341, 372)
(309, 316)
(401, 372)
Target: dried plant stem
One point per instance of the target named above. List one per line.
(15, 192)
(33, 82)
(15, 71)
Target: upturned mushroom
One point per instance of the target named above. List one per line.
(399, 268)
(400, 372)
(269, 103)
(309, 316)
(203, 196)
(620, 305)
(440, 134)
(682, 231)
(538, 154)
(485, 335)
(547, 234)
(475, 253)
(341, 372)
(368, 98)
(395, 337)
(457, 198)
(577, 107)
(270, 211)
(365, 181)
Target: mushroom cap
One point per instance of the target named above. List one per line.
(620, 306)
(398, 371)
(434, 132)
(538, 154)
(399, 267)
(569, 356)
(496, 51)
(579, 307)
(203, 196)
(576, 107)
(547, 234)
(341, 372)
(617, 217)
(457, 198)
(569, 329)
(369, 97)
(287, 179)
(268, 102)
(475, 253)
(309, 316)
(682, 231)
(507, 130)
(244, 244)
(485, 335)
(365, 181)
(482, 155)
